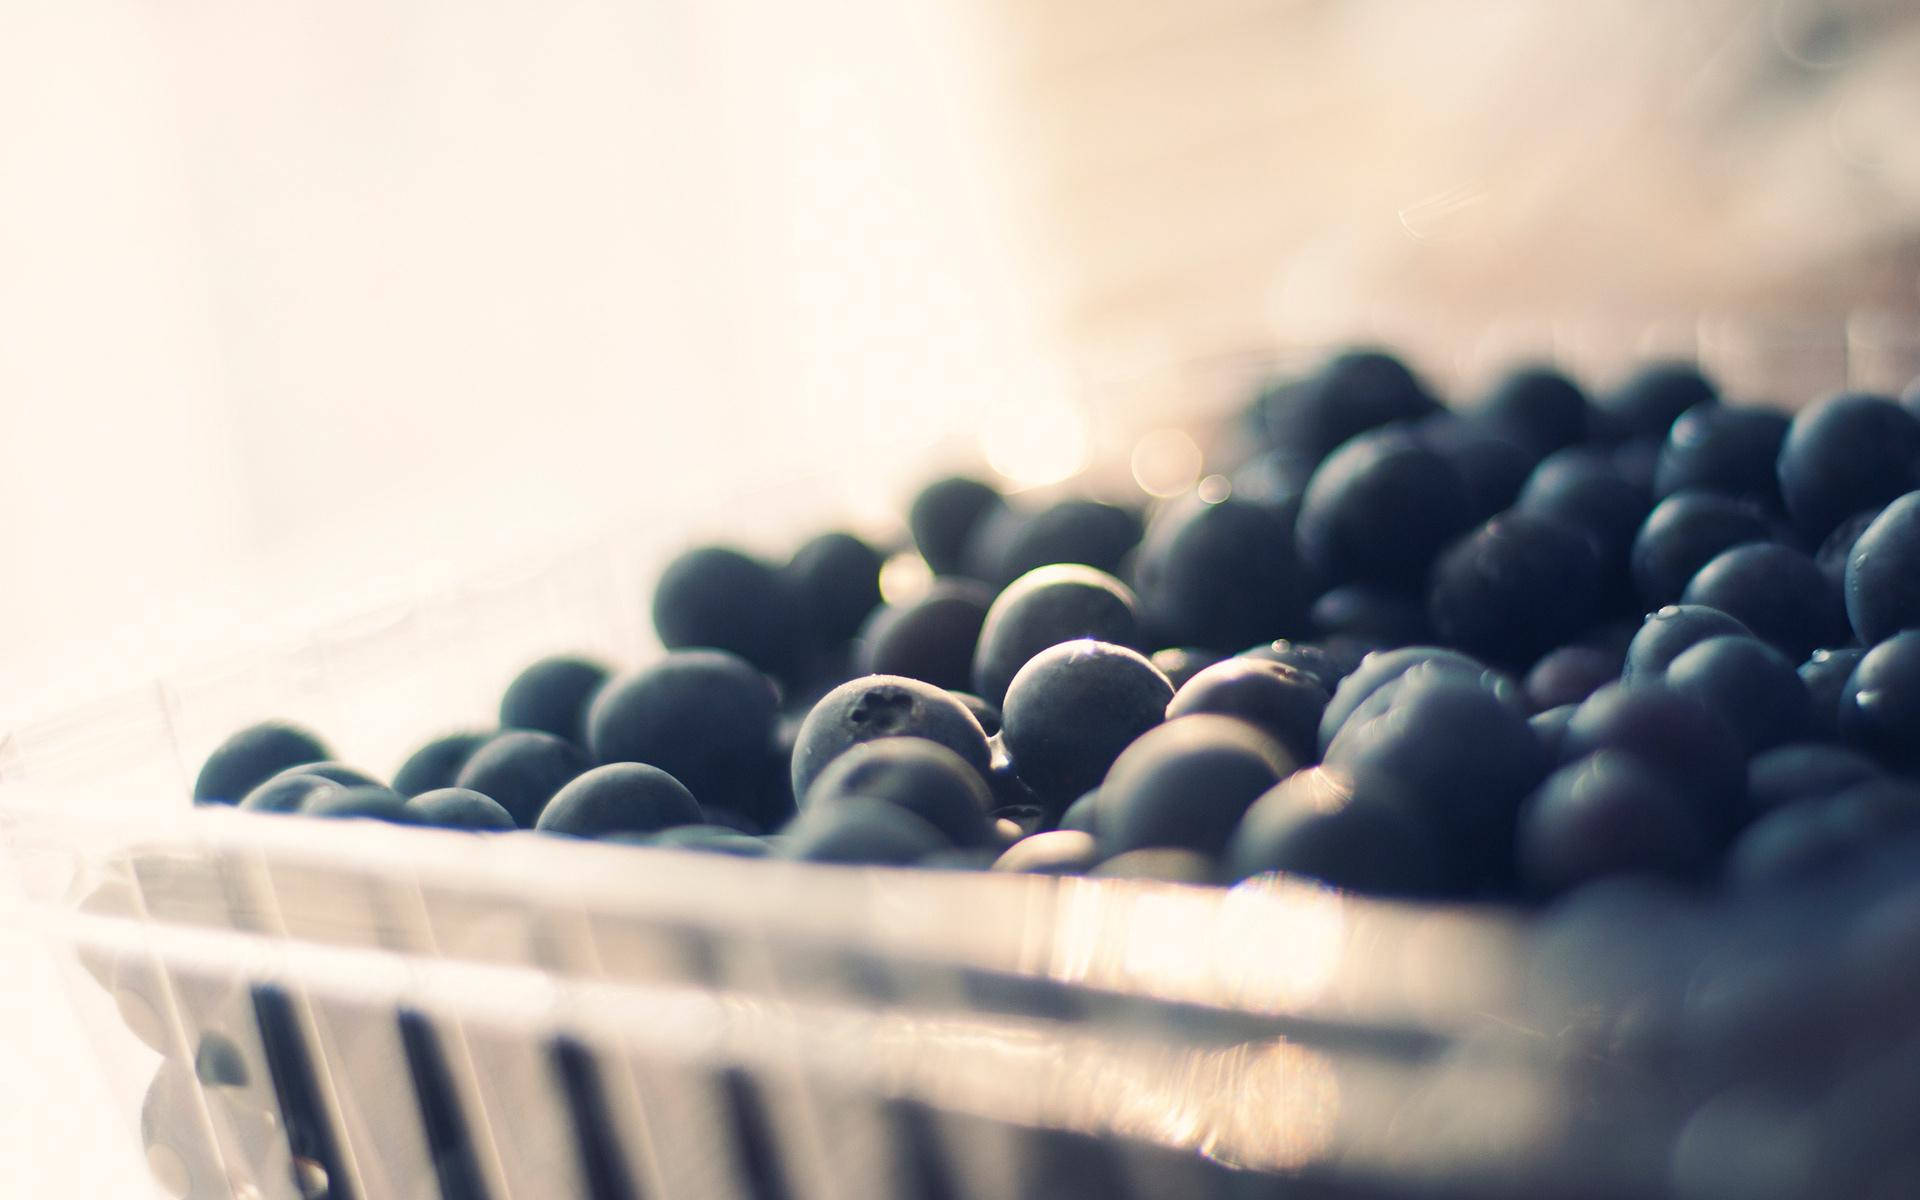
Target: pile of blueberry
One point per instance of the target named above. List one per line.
(1497, 650)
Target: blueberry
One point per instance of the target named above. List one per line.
(1817, 837)
(1312, 825)
(883, 706)
(1539, 408)
(1043, 608)
(1607, 814)
(1181, 663)
(1062, 852)
(1372, 614)
(460, 808)
(1076, 530)
(1220, 575)
(520, 770)
(1071, 711)
(339, 773)
(1083, 815)
(709, 839)
(1515, 588)
(1356, 391)
(1685, 532)
(1451, 751)
(1378, 670)
(1849, 453)
(1669, 633)
(860, 830)
(1880, 706)
(1749, 684)
(988, 716)
(923, 777)
(1493, 466)
(287, 793)
(1569, 675)
(931, 637)
(1724, 450)
(1550, 726)
(1186, 783)
(1826, 673)
(1326, 663)
(1837, 547)
(835, 580)
(705, 717)
(1804, 771)
(437, 764)
(1637, 461)
(1582, 488)
(1285, 702)
(1777, 592)
(618, 798)
(1651, 400)
(719, 598)
(944, 515)
(1883, 573)
(1379, 510)
(373, 803)
(552, 695)
(251, 757)
(1674, 734)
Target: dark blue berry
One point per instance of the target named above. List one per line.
(1724, 450)
(1820, 837)
(1674, 734)
(1804, 771)
(1825, 674)
(1312, 825)
(860, 830)
(1285, 702)
(1651, 400)
(1071, 711)
(835, 581)
(552, 695)
(1777, 592)
(1685, 532)
(459, 808)
(1089, 532)
(1515, 588)
(339, 773)
(1582, 488)
(251, 757)
(720, 598)
(1550, 726)
(884, 706)
(623, 797)
(1539, 408)
(1883, 573)
(520, 770)
(1379, 510)
(1373, 614)
(1880, 706)
(1328, 664)
(1667, 634)
(437, 764)
(1603, 815)
(931, 637)
(944, 515)
(704, 717)
(1837, 548)
(1356, 391)
(923, 777)
(1186, 784)
(1748, 683)
(1569, 675)
(1849, 453)
(288, 793)
(1083, 814)
(1181, 663)
(1376, 671)
(1043, 608)
(1219, 575)
(1061, 852)
(1493, 466)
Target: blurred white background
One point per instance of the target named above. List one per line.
(298, 298)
